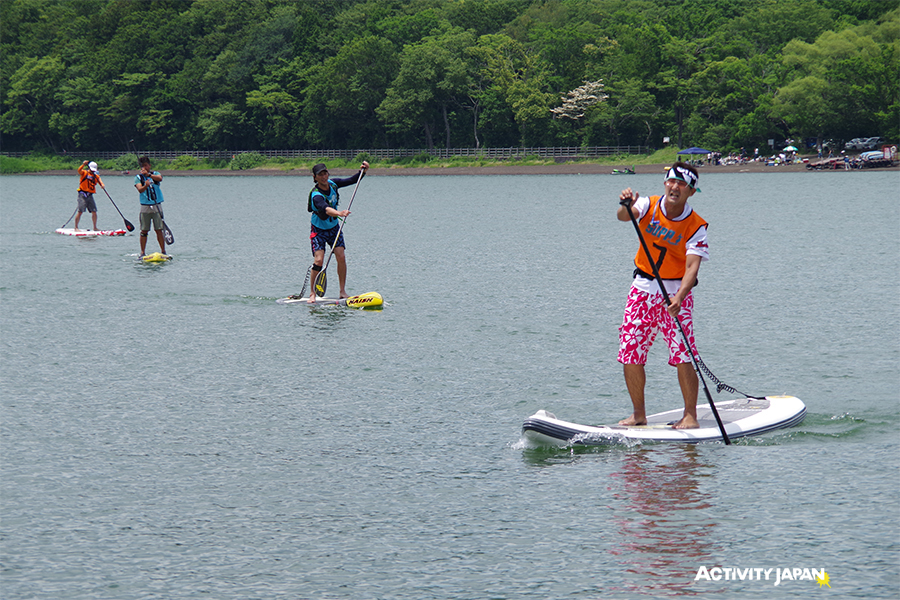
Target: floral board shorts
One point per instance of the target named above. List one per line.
(319, 237)
(645, 316)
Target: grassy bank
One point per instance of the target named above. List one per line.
(37, 163)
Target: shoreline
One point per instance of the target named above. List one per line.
(554, 169)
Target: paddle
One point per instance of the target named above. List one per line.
(128, 224)
(321, 280)
(70, 218)
(662, 288)
(167, 233)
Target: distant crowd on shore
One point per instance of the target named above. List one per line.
(790, 155)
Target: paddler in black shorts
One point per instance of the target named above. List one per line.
(325, 223)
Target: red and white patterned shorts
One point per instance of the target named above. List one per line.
(645, 316)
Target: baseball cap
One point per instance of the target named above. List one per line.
(92, 166)
(319, 168)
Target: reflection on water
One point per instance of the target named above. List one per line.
(663, 519)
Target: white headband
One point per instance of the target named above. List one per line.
(682, 174)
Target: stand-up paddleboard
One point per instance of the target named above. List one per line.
(367, 300)
(156, 257)
(88, 232)
(741, 418)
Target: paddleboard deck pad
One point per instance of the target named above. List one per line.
(367, 300)
(88, 232)
(156, 257)
(741, 418)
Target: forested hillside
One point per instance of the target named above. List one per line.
(278, 74)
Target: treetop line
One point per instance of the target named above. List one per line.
(269, 75)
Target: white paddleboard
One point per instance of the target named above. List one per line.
(89, 233)
(741, 418)
(367, 300)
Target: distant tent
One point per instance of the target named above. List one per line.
(695, 151)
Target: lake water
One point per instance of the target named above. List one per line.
(170, 432)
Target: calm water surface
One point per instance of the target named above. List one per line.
(169, 431)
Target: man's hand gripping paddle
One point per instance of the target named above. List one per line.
(321, 280)
(626, 202)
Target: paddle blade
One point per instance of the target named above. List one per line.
(367, 300)
(128, 225)
(321, 283)
(167, 234)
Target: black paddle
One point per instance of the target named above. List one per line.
(167, 233)
(70, 218)
(128, 224)
(662, 288)
(321, 280)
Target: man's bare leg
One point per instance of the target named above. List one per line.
(690, 385)
(342, 270)
(635, 378)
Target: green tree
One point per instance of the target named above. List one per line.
(514, 82)
(842, 78)
(342, 95)
(221, 126)
(433, 74)
(33, 99)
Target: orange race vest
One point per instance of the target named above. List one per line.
(667, 240)
(88, 182)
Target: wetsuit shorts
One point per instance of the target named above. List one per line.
(86, 202)
(645, 316)
(319, 237)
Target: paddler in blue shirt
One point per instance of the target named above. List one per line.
(147, 184)
(325, 222)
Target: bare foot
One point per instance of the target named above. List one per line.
(686, 422)
(632, 421)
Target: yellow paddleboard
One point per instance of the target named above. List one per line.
(156, 257)
(367, 300)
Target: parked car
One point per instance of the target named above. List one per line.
(856, 144)
(873, 143)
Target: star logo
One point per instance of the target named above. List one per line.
(823, 580)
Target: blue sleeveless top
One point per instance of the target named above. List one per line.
(332, 199)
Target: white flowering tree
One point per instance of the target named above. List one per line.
(576, 102)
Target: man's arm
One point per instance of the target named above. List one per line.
(691, 268)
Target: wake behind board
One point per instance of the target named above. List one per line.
(367, 300)
(156, 257)
(741, 418)
(89, 233)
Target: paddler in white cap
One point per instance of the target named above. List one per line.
(87, 186)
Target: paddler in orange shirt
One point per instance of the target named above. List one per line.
(86, 189)
(677, 236)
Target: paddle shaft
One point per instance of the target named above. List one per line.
(70, 218)
(687, 343)
(128, 224)
(321, 274)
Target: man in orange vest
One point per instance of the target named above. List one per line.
(676, 236)
(86, 188)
